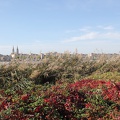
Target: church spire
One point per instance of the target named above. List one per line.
(13, 51)
(17, 50)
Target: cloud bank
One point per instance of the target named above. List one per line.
(101, 33)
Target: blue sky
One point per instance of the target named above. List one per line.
(60, 25)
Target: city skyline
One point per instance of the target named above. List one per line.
(16, 50)
(57, 26)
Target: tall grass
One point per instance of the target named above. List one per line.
(67, 67)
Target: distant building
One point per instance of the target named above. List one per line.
(5, 58)
(17, 51)
(14, 54)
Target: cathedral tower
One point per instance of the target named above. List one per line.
(17, 52)
(13, 51)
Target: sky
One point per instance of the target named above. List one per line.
(60, 25)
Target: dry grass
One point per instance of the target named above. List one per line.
(73, 67)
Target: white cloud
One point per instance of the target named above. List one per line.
(88, 36)
(111, 35)
(83, 29)
(110, 27)
(95, 36)
(94, 33)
